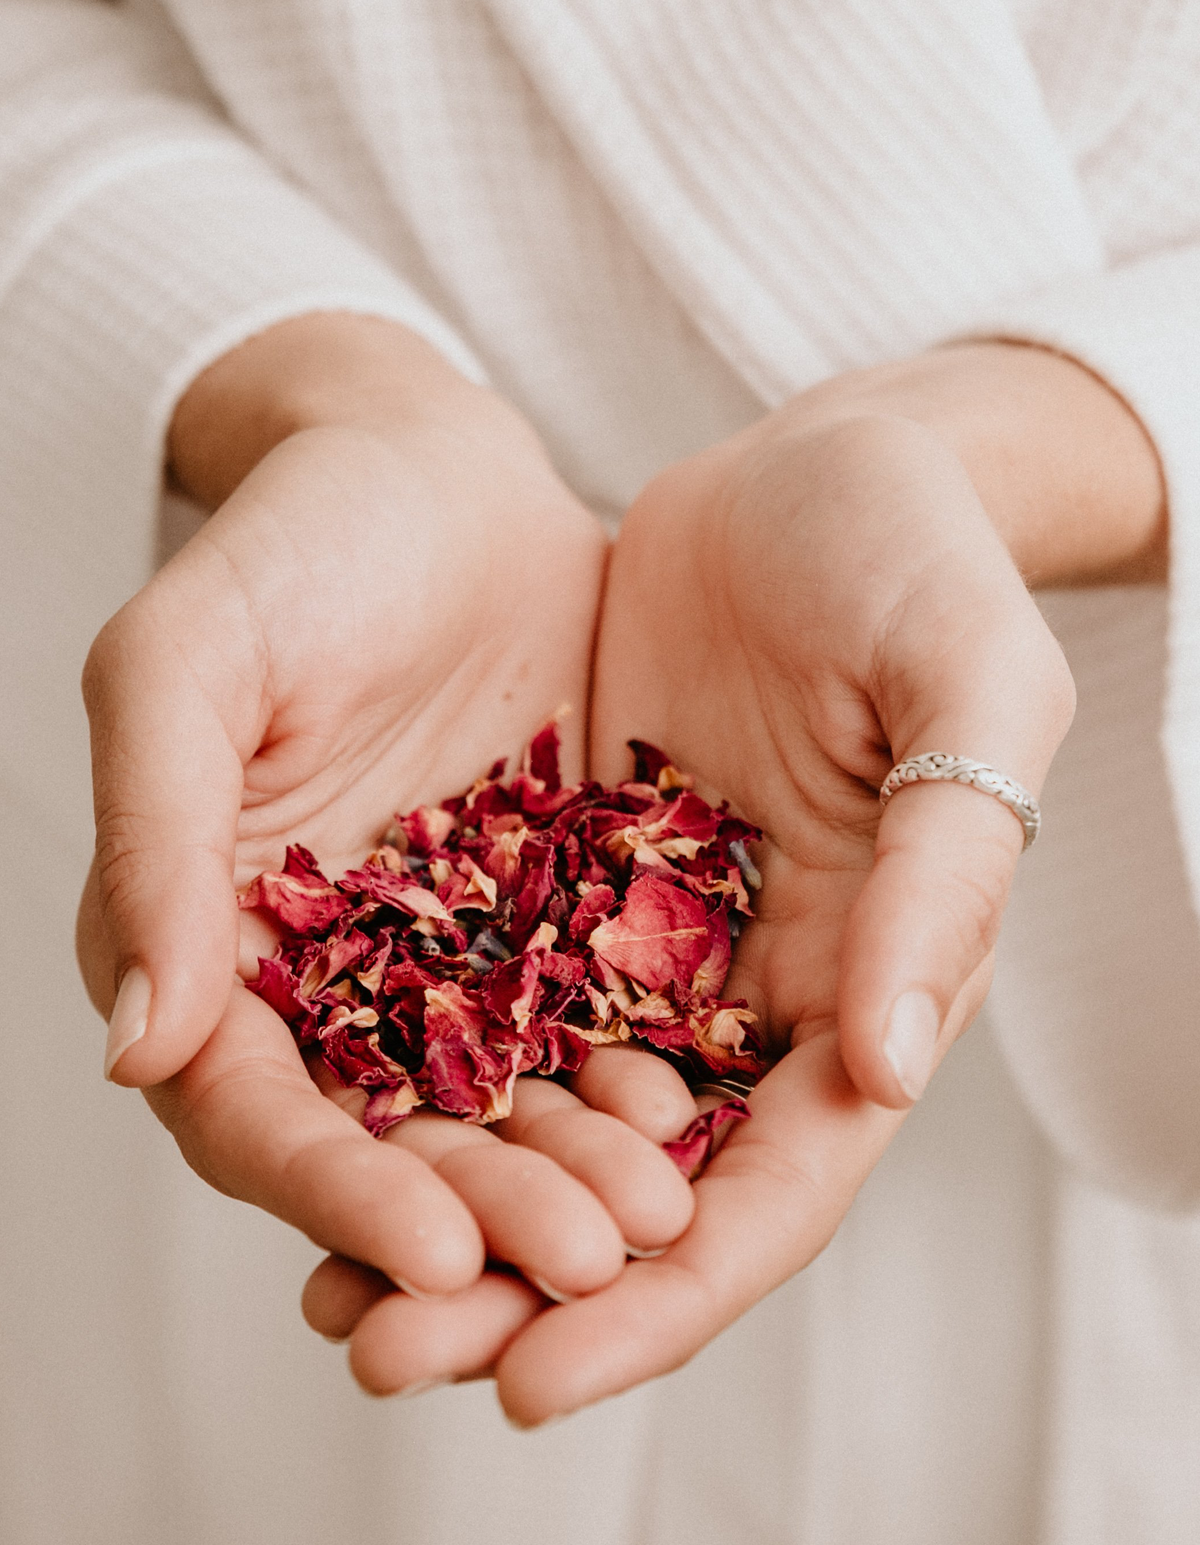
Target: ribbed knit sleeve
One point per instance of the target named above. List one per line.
(141, 238)
(1138, 328)
(1097, 994)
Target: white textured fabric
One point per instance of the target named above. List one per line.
(645, 223)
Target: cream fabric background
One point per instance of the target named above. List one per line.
(573, 199)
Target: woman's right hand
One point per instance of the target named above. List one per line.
(395, 590)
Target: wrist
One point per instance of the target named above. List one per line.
(315, 371)
(1064, 468)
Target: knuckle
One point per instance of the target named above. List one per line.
(97, 669)
(973, 905)
(204, 1109)
(108, 654)
(122, 858)
(1044, 666)
(314, 1164)
(1060, 694)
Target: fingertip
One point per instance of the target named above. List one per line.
(910, 1041)
(337, 1295)
(439, 1262)
(373, 1202)
(177, 965)
(531, 1212)
(548, 1290)
(129, 1019)
(640, 1186)
(146, 1044)
(890, 1057)
(652, 1226)
(921, 929)
(638, 1088)
(656, 1205)
(402, 1346)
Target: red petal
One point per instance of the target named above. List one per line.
(302, 904)
(542, 758)
(396, 890)
(649, 761)
(426, 828)
(470, 1080)
(692, 1151)
(713, 969)
(660, 935)
(597, 904)
(386, 1107)
(278, 988)
(451, 1011)
(513, 989)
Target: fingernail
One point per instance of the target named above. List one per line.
(556, 1294)
(127, 1023)
(420, 1388)
(407, 1287)
(911, 1039)
(645, 1255)
(548, 1421)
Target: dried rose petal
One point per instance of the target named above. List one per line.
(388, 1106)
(692, 1151)
(300, 902)
(512, 929)
(278, 987)
(660, 935)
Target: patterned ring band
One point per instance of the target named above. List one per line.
(722, 1088)
(940, 766)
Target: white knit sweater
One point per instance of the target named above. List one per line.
(645, 223)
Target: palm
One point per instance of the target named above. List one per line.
(763, 717)
(768, 622)
(316, 686)
(404, 656)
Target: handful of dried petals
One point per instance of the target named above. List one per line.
(512, 929)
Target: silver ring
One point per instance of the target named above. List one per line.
(941, 767)
(722, 1088)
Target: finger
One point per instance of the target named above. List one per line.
(640, 1089)
(258, 939)
(337, 1295)
(768, 1203)
(995, 688)
(168, 786)
(926, 919)
(403, 1346)
(250, 1121)
(639, 1185)
(532, 1213)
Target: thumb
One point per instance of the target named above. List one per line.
(926, 921)
(158, 925)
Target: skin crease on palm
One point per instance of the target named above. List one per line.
(274, 685)
(788, 614)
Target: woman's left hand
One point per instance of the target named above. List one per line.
(788, 615)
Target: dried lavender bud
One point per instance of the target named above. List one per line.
(747, 866)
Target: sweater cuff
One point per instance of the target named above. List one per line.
(1137, 327)
(1097, 988)
(178, 255)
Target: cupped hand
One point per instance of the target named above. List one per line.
(395, 590)
(788, 615)
(791, 614)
